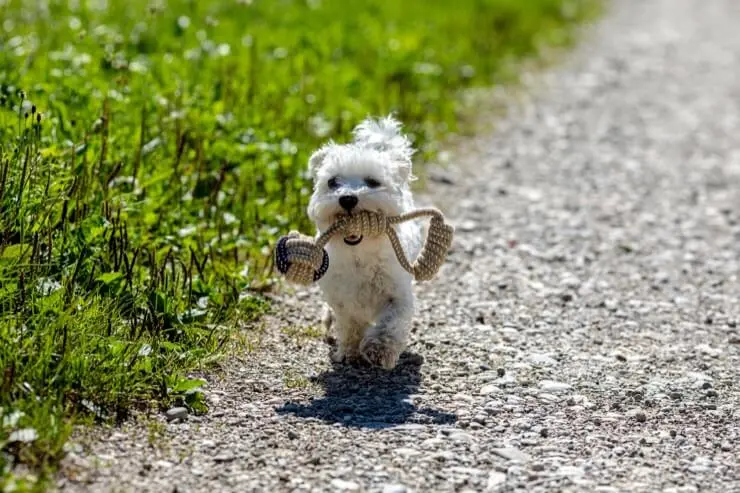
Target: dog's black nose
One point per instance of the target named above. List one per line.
(348, 202)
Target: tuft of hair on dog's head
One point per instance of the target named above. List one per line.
(378, 135)
(384, 135)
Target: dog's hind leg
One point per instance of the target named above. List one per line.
(327, 318)
(385, 340)
(348, 333)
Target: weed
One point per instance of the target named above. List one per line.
(298, 333)
(293, 380)
(155, 432)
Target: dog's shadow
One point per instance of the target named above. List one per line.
(365, 397)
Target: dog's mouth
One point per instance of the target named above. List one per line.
(353, 240)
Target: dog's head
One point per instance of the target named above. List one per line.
(371, 173)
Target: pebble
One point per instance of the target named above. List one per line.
(638, 415)
(407, 452)
(709, 350)
(495, 479)
(509, 334)
(463, 397)
(440, 175)
(410, 427)
(699, 377)
(570, 471)
(432, 443)
(461, 437)
(163, 464)
(343, 485)
(176, 413)
(511, 453)
(394, 488)
(444, 456)
(466, 471)
(698, 468)
(552, 386)
(542, 360)
(468, 226)
(687, 488)
(489, 389)
(224, 457)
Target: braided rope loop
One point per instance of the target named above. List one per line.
(434, 253)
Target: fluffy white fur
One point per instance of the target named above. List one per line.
(370, 300)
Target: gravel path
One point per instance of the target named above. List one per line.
(583, 336)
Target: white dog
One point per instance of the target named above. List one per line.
(369, 295)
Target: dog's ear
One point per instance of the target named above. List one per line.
(318, 159)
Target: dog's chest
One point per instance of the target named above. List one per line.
(361, 281)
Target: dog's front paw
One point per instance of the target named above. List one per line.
(379, 353)
(342, 354)
(337, 355)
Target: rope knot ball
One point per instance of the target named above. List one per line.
(303, 260)
(298, 258)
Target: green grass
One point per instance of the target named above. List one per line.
(152, 151)
(299, 333)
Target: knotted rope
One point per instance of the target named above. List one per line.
(303, 260)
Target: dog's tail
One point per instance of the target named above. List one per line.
(383, 134)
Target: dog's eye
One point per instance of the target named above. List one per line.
(333, 183)
(372, 182)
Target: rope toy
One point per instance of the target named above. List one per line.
(303, 260)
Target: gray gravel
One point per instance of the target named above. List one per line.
(583, 336)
